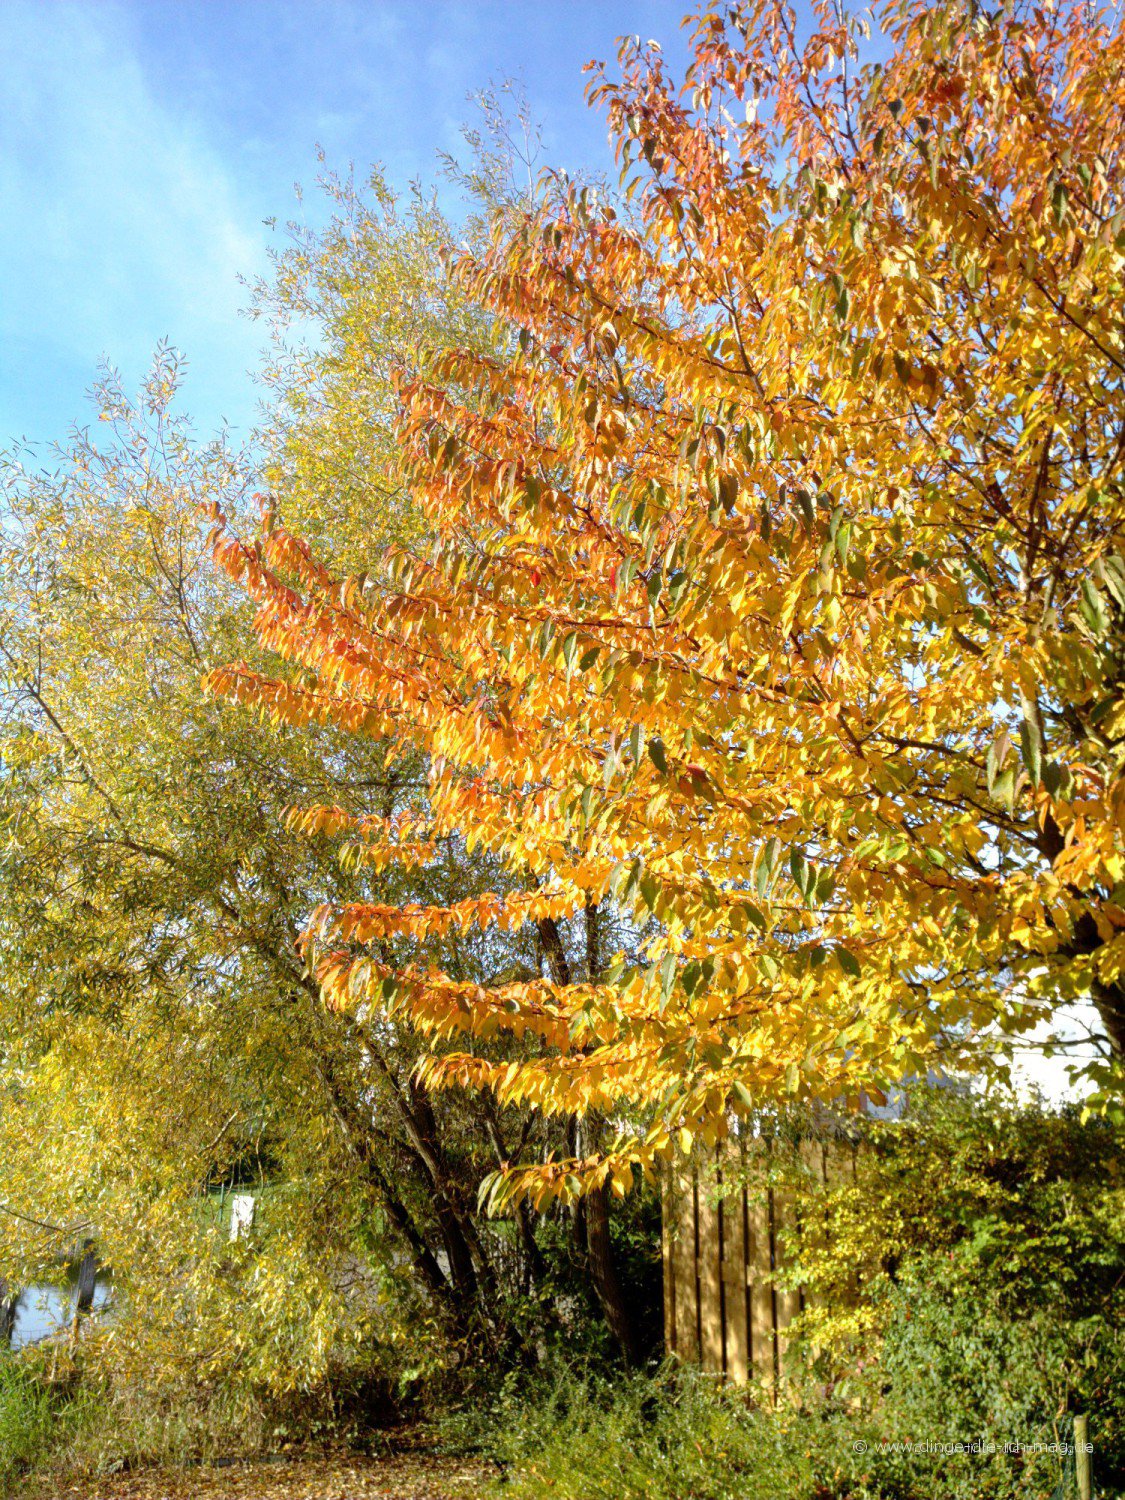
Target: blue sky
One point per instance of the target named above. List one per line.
(142, 145)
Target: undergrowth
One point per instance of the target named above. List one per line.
(680, 1436)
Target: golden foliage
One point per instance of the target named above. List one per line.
(777, 580)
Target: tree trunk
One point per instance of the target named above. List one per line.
(534, 1266)
(607, 1283)
(469, 1266)
(1109, 999)
(87, 1281)
(7, 1313)
(355, 1129)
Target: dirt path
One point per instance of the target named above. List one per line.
(402, 1477)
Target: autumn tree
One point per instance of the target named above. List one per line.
(159, 1032)
(778, 589)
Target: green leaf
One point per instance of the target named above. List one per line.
(1057, 779)
(1111, 570)
(767, 864)
(1004, 788)
(754, 915)
(667, 977)
(657, 755)
(848, 962)
(744, 1099)
(1092, 609)
(1032, 753)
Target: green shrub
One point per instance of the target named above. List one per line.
(988, 1310)
(663, 1437)
(683, 1437)
(26, 1419)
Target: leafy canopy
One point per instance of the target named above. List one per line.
(778, 584)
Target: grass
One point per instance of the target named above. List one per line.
(658, 1436)
(26, 1419)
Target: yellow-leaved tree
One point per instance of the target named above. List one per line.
(778, 589)
(160, 1040)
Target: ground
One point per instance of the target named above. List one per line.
(349, 1477)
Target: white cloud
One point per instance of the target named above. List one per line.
(121, 223)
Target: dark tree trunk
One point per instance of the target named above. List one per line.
(356, 1131)
(599, 1245)
(535, 1267)
(607, 1283)
(87, 1281)
(466, 1253)
(7, 1313)
(1109, 999)
(553, 950)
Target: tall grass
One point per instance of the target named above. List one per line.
(26, 1420)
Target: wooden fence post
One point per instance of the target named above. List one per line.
(733, 1261)
(709, 1242)
(87, 1285)
(1083, 1468)
(685, 1265)
(87, 1280)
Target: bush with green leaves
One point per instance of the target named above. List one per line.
(990, 1194)
(971, 1291)
(682, 1436)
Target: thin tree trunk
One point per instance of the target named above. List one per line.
(357, 1136)
(534, 1263)
(1109, 999)
(603, 1270)
(7, 1313)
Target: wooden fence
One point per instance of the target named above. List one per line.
(723, 1244)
